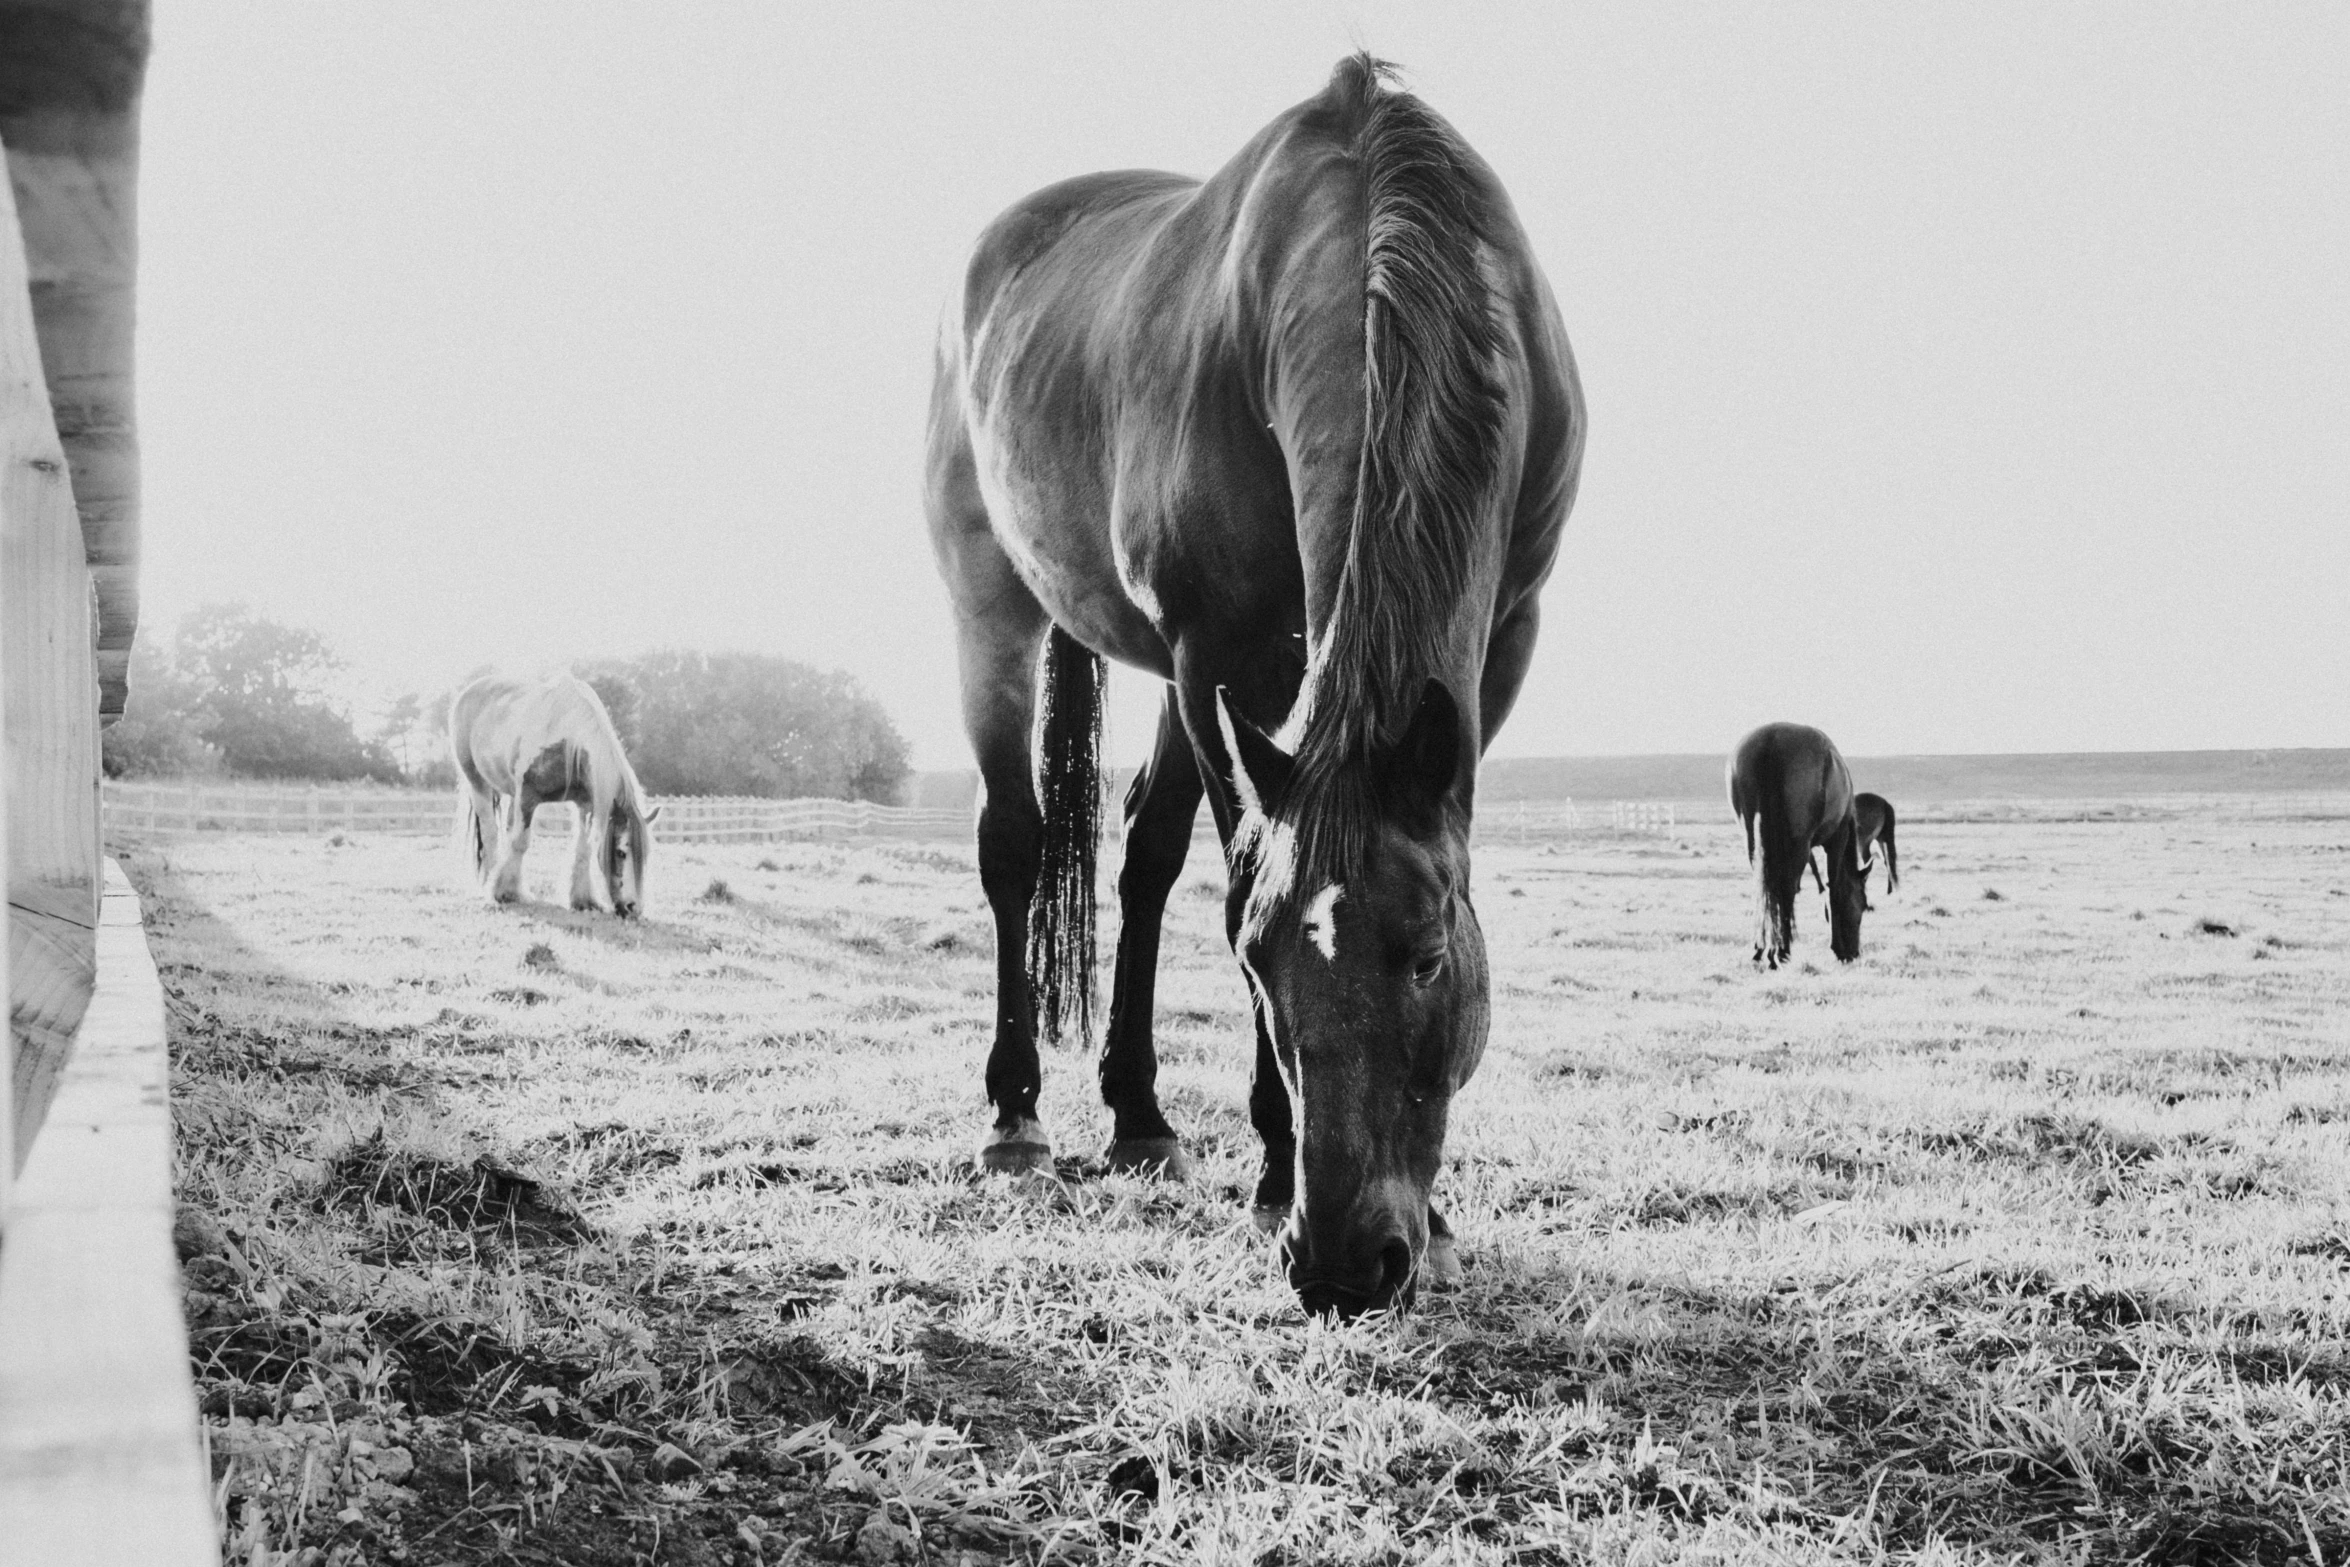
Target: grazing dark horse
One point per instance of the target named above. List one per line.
(1299, 440)
(519, 744)
(1793, 793)
(1872, 816)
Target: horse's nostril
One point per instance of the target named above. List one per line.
(1395, 1267)
(1324, 1300)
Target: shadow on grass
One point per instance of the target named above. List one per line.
(643, 934)
(2007, 1410)
(361, 1256)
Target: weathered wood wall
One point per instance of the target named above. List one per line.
(49, 712)
(70, 73)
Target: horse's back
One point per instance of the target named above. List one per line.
(474, 720)
(1067, 236)
(500, 727)
(1798, 769)
(1159, 388)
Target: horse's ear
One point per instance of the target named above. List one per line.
(1424, 766)
(1260, 769)
(652, 816)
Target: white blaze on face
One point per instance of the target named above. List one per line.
(1322, 921)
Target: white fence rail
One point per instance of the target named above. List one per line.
(152, 809)
(1527, 821)
(1642, 816)
(136, 809)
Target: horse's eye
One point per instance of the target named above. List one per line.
(1427, 968)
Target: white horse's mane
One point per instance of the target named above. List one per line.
(611, 781)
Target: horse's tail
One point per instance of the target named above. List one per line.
(473, 834)
(1892, 860)
(1778, 874)
(1069, 787)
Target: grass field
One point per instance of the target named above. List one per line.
(522, 1236)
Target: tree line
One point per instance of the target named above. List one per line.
(234, 694)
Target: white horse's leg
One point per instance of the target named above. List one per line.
(585, 833)
(506, 884)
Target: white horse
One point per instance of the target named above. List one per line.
(519, 744)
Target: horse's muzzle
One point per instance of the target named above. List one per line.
(1387, 1280)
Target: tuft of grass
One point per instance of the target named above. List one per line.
(2208, 926)
(538, 955)
(1994, 895)
(470, 1194)
(717, 892)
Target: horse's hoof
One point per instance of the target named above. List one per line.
(1269, 1220)
(1442, 1264)
(1160, 1156)
(1017, 1150)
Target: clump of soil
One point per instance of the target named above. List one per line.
(476, 1195)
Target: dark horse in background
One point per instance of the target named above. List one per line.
(1299, 440)
(1793, 793)
(1872, 817)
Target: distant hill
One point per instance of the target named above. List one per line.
(2052, 775)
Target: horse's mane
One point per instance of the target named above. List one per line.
(586, 728)
(1432, 444)
(610, 778)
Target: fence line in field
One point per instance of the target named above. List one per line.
(1642, 816)
(142, 809)
(203, 808)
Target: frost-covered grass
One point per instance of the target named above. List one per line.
(519, 1235)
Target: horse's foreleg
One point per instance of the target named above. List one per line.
(1266, 684)
(1159, 815)
(584, 833)
(513, 843)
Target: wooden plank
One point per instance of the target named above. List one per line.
(52, 971)
(70, 75)
(50, 722)
(100, 1456)
(51, 701)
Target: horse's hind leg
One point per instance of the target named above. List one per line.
(999, 705)
(998, 628)
(1159, 813)
(1786, 886)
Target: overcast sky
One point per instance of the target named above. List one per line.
(1962, 378)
